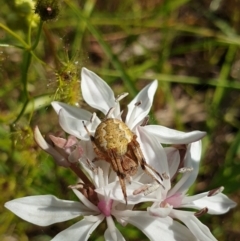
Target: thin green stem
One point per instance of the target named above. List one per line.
(38, 36)
(27, 57)
(38, 59)
(14, 35)
(21, 112)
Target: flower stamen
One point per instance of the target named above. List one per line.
(215, 191)
(121, 96)
(201, 212)
(165, 175)
(133, 115)
(138, 103)
(110, 111)
(146, 189)
(93, 117)
(185, 169)
(145, 121)
(91, 166)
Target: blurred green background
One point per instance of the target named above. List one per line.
(191, 47)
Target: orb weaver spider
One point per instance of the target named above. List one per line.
(117, 144)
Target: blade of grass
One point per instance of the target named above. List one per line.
(224, 73)
(81, 26)
(107, 49)
(180, 79)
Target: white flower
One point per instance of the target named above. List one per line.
(105, 200)
(213, 202)
(167, 160)
(100, 96)
(45, 210)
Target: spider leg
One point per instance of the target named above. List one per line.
(111, 157)
(117, 167)
(90, 135)
(138, 153)
(129, 166)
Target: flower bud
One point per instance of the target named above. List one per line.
(47, 9)
(64, 151)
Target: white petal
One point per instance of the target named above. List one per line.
(171, 136)
(135, 113)
(76, 154)
(80, 231)
(154, 154)
(71, 119)
(97, 93)
(88, 151)
(191, 199)
(73, 126)
(192, 159)
(85, 201)
(108, 236)
(44, 210)
(72, 111)
(164, 229)
(105, 166)
(158, 211)
(112, 232)
(201, 232)
(173, 158)
(60, 160)
(217, 204)
(115, 192)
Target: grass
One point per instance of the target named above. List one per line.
(191, 47)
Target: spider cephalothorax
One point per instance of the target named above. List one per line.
(117, 144)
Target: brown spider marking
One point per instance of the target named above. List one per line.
(117, 144)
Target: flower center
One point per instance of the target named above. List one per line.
(105, 206)
(174, 200)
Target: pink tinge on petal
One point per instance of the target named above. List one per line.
(76, 154)
(105, 206)
(72, 140)
(175, 200)
(58, 141)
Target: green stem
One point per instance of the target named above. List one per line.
(27, 57)
(21, 112)
(38, 36)
(14, 35)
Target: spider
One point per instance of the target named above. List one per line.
(117, 144)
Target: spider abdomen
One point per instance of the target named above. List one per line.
(113, 134)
